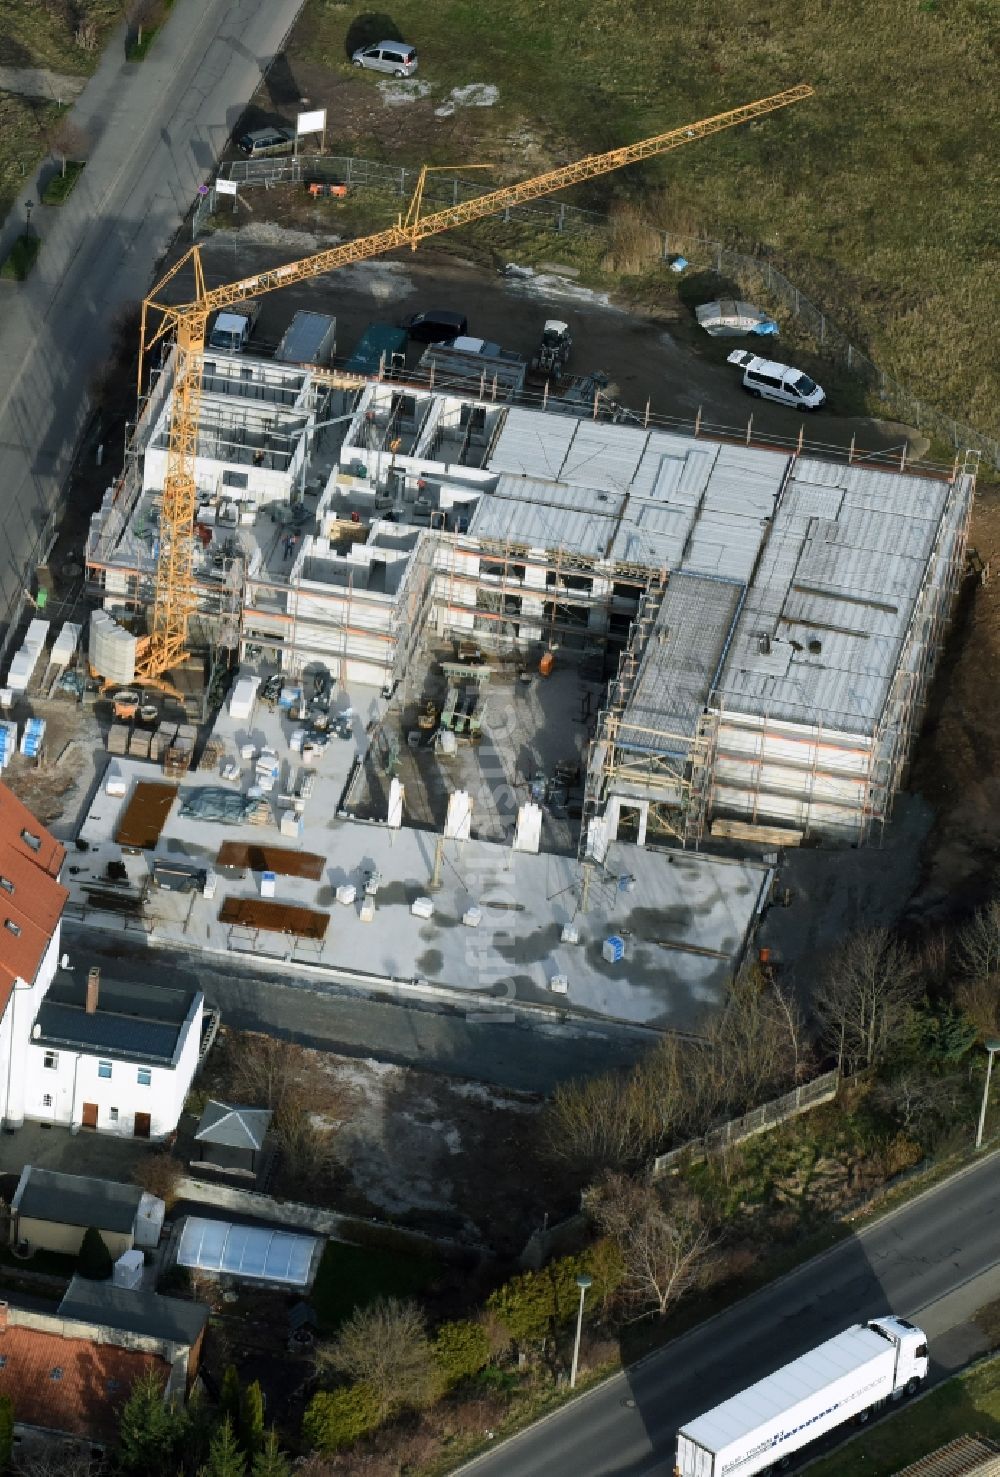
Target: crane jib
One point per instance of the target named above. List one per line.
(173, 600)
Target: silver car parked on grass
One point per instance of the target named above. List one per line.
(395, 57)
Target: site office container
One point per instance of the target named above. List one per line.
(839, 1381)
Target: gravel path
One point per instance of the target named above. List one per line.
(40, 82)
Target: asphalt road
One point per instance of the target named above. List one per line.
(525, 1057)
(919, 1262)
(157, 128)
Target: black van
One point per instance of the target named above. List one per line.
(436, 326)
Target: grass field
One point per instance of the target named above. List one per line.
(968, 1405)
(23, 125)
(44, 33)
(879, 196)
(350, 1276)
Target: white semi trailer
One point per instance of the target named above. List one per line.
(841, 1380)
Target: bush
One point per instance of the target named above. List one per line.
(461, 1349)
(158, 1174)
(533, 1305)
(175, 1282)
(21, 257)
(61, 185)
(336, 1418)
(94, 1260)
(6, 1431)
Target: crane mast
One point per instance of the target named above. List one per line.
(174, 598)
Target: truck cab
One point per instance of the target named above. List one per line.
(231, 330)
(912, 1360)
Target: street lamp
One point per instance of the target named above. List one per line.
(992, 1044)
(29, 206)
(583, 1282)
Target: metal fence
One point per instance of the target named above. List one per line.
(759, 1120)
(756, 275)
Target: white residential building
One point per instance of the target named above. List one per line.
(117, 1057)
(31, 905)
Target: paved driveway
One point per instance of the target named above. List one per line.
(158, 127)
(71, 1153)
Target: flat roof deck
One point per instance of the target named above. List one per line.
(685, 917)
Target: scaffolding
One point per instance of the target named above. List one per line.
(815, 771)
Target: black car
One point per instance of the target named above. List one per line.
(436, 326)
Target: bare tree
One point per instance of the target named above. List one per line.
(599, 1122)
(260, 1070)
(69, 141)
(756, 1047)
(158, 1173)
(662, 1242)
(85, 35)
(864, 999)
(979, 999)
(979, 943)
(141, 14)
(60, 1459)
(385, 1346)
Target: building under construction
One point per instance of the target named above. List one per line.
(762, 624)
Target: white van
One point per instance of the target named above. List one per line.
(770, 381)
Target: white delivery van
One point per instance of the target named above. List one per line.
(771, 381)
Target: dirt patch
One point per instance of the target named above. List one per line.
(445, 1156)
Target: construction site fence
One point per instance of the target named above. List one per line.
(758, 1120)
(755, 273)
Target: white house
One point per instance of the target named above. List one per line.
(31, 905)
(115, 1056)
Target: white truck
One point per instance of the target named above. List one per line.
(844, 1379)
(231, 330)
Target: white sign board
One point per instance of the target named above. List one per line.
(311, 122)
(225, 187)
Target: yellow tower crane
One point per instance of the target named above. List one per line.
(174, 598)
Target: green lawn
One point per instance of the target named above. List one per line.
(63, 37)
(61, 185)
(350, 1276)
(23, 126)
(879, 195)
(967, 1405)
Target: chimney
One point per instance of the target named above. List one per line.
(93, 989)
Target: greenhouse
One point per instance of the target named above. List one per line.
(253, 1253)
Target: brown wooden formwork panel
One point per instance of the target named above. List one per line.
(279, 859)
(145, 815)
(252, 912)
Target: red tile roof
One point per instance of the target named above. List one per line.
(31, 899)
(86, 1395)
